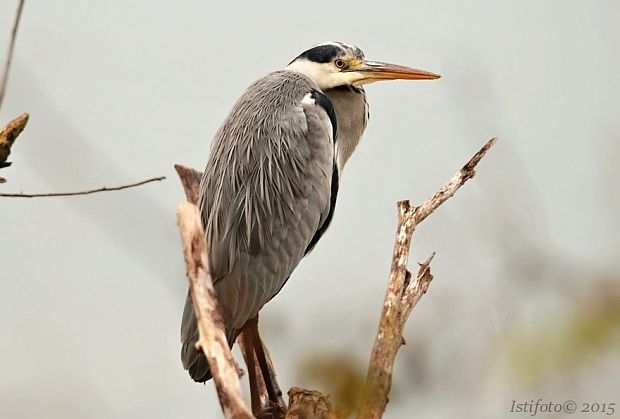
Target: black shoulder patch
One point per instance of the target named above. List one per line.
(332, 205)
(324, 102)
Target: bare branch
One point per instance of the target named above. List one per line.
(9, 55)
(402, 295)
(416, 289)
(190, 179)
(212, 339)
(467, 172)
(86, 192)
(8, 135)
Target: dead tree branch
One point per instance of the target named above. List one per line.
(7, 138)
(86, 192)
(9, 55)
(190, 179)
(8, 135)
(211, 340)
(301, 401)
(402, 294)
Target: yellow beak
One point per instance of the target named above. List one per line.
(376, 70)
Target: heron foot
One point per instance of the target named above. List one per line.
(271, 411)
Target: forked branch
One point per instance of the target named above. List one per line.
(403, 293)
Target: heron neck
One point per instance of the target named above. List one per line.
(352, 116)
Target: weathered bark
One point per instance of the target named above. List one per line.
(402, 294)
(212, 339)
(190, 179)
(8, 135)
(308, 404)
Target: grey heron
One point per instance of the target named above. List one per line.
(270, 185)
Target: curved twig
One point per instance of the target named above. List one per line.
(9, 55)
(86, 192)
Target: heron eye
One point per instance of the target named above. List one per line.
(340, 63)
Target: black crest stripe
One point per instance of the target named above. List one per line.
(321, 53)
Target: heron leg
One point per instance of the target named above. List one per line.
(256, 387)
(261, 357)
(266, 367)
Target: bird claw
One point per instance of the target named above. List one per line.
(271, 410)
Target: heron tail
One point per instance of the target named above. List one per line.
(193, 359)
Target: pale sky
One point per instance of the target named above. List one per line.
(92, 288)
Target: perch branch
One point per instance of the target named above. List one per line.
(9, 55)
(300, 400)
(402, 294)
(212, 340)
(86, 192)
(190, 179)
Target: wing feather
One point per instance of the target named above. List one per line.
(267, 190)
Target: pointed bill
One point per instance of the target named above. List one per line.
(377, 70)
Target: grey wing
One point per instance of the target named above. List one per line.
(264, 206)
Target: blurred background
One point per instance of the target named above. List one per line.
(525, 303)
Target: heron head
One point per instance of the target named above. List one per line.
(333, 64)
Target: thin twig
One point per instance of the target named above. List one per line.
(416, 289)
(402, 295)
(9, 55)
(86, 192)
(211, 338)
(467, 172)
